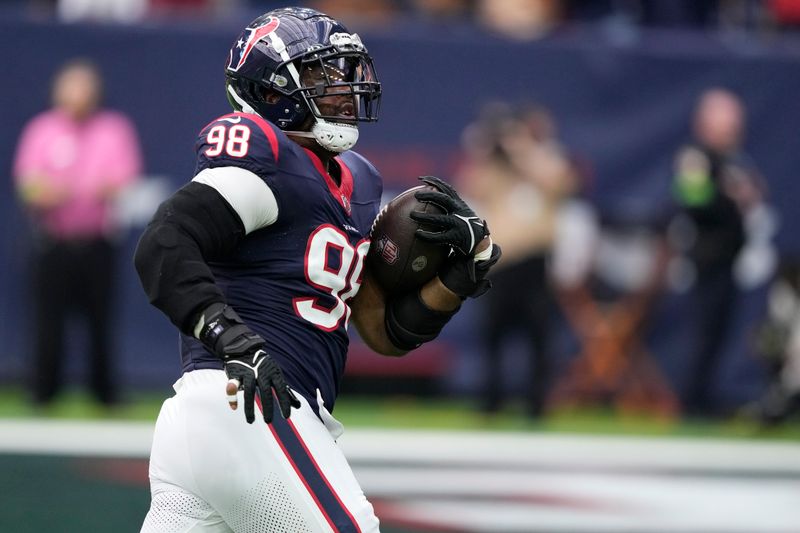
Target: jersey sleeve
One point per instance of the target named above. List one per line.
(239, 140)
(237, 155)
(249, 195)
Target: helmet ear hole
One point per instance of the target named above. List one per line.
(271, 97)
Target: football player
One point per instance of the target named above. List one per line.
(259, 262)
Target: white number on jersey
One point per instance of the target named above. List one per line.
(234, 140)
(341, 281)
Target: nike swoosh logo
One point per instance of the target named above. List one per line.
(233, 120)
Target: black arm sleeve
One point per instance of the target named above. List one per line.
(410, 323)
(192, 227)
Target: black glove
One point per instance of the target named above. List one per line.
(467, 277)
(245, 361)
(459, 227)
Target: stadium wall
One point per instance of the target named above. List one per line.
(622, 102)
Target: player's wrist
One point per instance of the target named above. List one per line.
(225, 334)
(483, 251)
(437, 296)
(206, 315)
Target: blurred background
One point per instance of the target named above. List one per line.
(638, 362)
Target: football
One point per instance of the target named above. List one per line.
(397, 259)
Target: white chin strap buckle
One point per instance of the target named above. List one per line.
(335, 136)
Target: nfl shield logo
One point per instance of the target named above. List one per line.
(388, 250)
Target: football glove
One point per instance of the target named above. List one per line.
(246, 363)
(458, 227)
(467, 277)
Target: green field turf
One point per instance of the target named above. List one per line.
(59, 493)
(411, 412)
(69, 494)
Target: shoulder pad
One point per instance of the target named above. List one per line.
(359, 163)
(241, 140)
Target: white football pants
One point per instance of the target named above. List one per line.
(212, 472)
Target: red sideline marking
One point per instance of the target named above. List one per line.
(130, 472)
(400, 515)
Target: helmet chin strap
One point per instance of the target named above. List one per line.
(333, 136)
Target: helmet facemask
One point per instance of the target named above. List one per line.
(339, 89)
(340, 76)
(296, 68)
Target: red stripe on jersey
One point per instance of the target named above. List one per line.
(341, 192)
(267, 129)
(347, 180)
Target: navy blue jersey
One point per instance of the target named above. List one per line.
(290, 281)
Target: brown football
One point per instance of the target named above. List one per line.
(397, 259)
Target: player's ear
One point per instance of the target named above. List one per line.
(271, 97)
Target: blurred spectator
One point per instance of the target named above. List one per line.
(785, 13)
(519, 173)
(359, 13)
(133, 11)
(716, 185)
(102, 10)
(71, 163)
(519, 19)
(442, 9)
(194, 9)
(779, 344)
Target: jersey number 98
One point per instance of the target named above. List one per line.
(334, 266)
(234, 140)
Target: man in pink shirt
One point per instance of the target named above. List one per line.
(71, 163)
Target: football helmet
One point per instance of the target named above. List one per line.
(288, 59)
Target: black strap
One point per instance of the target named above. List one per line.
(225, 333)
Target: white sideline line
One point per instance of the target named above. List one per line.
(522, 482)
(578, 451)
(387, 446)
(66, 437)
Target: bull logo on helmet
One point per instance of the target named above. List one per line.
(249, 38)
